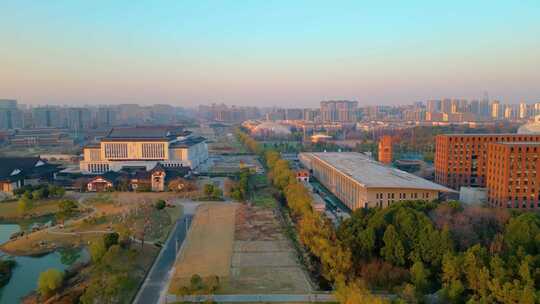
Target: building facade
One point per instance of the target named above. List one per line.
(513, 173)
(385, 150)
(360, 182)
(339, 111)
(462, 159)
(144, 147)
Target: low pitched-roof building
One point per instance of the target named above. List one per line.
(15, 172)
(360, 182)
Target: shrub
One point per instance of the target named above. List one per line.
(160, 204)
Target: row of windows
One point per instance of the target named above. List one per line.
(98, 168)
(116, 151)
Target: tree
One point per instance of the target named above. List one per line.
(110, 239)
(110, 280)
(217, 193)
(160, 204)
(420, 277)
(393, 250)
(25, 204)
(208, 189)
(49, 281)
(97, 250)
(66, 209)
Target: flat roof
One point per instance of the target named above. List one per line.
(372, 174)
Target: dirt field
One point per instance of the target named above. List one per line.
(208, 248)
(263, 260)
(245, 246)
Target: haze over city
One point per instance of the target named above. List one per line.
(272, 53)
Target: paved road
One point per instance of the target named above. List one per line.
(157, 278)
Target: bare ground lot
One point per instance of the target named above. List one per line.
(246, 247)
(208, 247)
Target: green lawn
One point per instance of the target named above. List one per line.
(10, 210)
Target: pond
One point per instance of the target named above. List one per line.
(26, 273)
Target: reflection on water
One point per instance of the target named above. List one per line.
(26, 274)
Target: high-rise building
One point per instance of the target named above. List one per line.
(523, 111)
(338, 111)
(79, 119)
(496, 110)
(433, 105)
(106, 117)
(294, 114)
(10, 116)
(49, 117)
(446, 105)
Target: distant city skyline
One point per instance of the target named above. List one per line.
(267, 54)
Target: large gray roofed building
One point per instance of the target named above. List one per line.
(372, 174)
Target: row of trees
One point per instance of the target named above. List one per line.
(316, 232)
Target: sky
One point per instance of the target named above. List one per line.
(265, 53)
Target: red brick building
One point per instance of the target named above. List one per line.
(513, 175)
(506, 164)
(461, 159)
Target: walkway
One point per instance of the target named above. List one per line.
(156, 279)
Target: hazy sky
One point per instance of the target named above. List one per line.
(286, 53)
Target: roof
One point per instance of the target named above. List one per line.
(15, 167)
(372, 174)
(188, 142)
(145, 133)
(482, 134)
(521, 143)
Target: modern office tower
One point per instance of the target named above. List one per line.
(433, 105)
(338, 111)
(462, 159)
(10, 116)
(49, 117)
(513, 175)
(496, 110)
(385, 150)
(523, 111)
(79, 119)
(144, 147)
(360, 182)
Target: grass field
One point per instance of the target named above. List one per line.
(208, 248)
(263, 192)
(10, 210)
